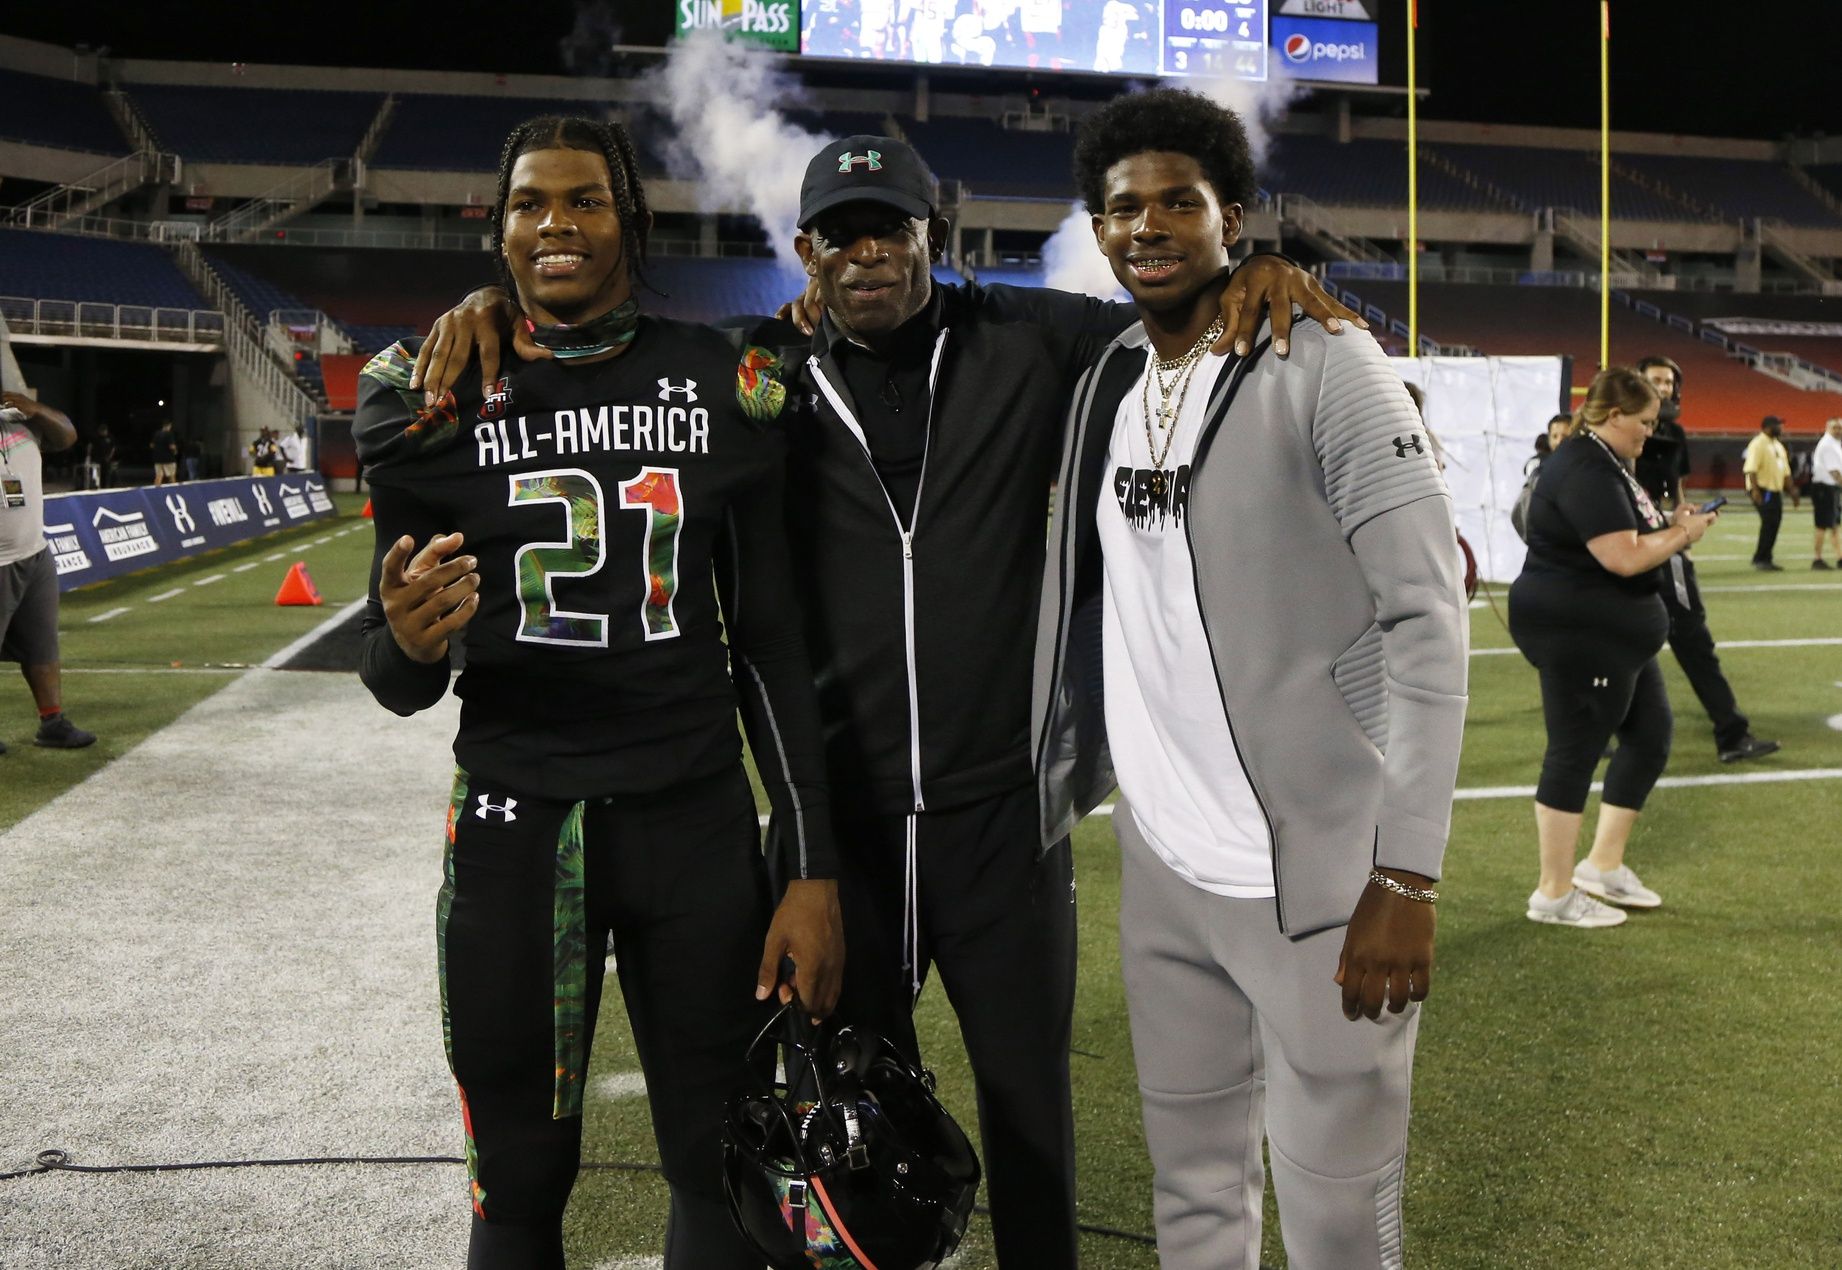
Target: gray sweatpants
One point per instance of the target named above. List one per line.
(1239, 1033)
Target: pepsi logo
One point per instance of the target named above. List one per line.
(1298, 48)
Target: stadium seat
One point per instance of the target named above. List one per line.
(57, 112)
(255, 125)
(44, 266)
(995, 161)
(1737, 187)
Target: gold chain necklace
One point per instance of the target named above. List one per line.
(1183, 369)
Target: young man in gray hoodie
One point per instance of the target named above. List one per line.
(1253, 619)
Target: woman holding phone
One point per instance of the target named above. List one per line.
(1586, 613)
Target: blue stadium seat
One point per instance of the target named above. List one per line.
(1738, 187)
(44, 266)
(699, 290)
(1364, 172)
(996, 161)
(57, 112)
(260, 296)
(1560, 178)
(255, 125)
(430, 133)
(372, 339)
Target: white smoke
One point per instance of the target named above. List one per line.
(728, 136)
(1071, 259)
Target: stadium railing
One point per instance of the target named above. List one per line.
(91, 319)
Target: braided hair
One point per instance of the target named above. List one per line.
(596, 136)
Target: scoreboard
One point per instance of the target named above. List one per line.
(1306, 39)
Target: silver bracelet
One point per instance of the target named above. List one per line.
(1419, 894)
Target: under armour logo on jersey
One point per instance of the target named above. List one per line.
(1401, 447)
(504, 809)
(1601, 683)
(668, 390)
(497, 398)
(871, 159)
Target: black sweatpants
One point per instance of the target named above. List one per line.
(999, 926)
(1693, 645)
(1771, 515)
(1596, 652)
(532, 889)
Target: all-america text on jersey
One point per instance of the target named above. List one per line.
(601, 428)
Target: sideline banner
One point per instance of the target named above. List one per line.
(105, 533)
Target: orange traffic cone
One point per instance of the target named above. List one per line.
(298, 587)
(366, 513)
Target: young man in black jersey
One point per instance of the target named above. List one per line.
(924, 449)
(579, 519)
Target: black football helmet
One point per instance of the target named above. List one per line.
(845, 1160)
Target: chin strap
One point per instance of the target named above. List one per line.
(587, 339)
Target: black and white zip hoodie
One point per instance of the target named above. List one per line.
(921, 637)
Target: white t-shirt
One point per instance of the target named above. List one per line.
(1173, 746)
(1826, 459)
(22, 528)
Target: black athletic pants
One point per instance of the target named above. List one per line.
(1596, 653)
(999, 926)
(1693, 646)
(1771, 513)
(533, 888)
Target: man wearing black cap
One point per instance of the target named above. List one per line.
(1660, 470)
(918, 508)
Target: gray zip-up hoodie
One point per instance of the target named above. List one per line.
(1330, 584)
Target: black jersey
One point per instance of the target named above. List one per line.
(608, 505)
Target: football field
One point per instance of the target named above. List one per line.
(216, 931)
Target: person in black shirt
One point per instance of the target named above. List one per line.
(165, 450)
(605, 501)
(1586, 613)
(921, 457)
(1660, 470)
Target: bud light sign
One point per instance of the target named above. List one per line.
(1340, 52)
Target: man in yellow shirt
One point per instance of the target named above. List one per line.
(1768, 475)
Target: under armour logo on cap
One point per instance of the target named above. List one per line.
(871, 159)
(1599, 682)
(504, 809)
(1401, 447)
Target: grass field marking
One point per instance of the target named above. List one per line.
(245, 568)
(154, 670)
(621, 1085)
(630, 1263)
(1667, 782)
(116, 612)
(277, 660)
(216, 577)
(272, 559)
(166, 595)
(321, 542)
(1774, 586)
(1724, 645)
(300, 547)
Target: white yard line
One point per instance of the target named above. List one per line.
(166, 595)
(1723, 646)
(105, 616)
(1774, 586)
(154, 670)
(277, 660)
(216, 577)
(272, 559)
(1670, 782)
(321, 542)
(245, 568)
(620, 1085)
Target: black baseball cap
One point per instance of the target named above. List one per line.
(866, 169)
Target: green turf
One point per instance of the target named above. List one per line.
(1661, 1095)
(230, 623)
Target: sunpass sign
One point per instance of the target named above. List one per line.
(773, 23)
(1315, 48)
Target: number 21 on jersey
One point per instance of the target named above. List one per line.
(654, 493)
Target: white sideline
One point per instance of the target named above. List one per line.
(1723, 645)
(277, 660)
(1482, 792)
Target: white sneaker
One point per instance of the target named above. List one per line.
(1619, 885)
(1576, 908)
